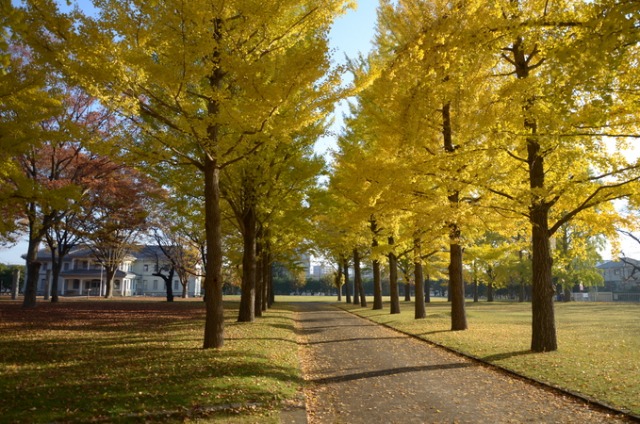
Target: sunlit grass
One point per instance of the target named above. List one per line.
(142, 361)
(599, 343)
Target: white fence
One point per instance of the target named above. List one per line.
(605, 297)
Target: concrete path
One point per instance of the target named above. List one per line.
(360, 372)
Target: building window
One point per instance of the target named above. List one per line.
(155, 284)
(146, 268)
(66, 266)
(44, 266)
(176, 284)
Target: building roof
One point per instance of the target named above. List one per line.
(620, 263)
(83, 252)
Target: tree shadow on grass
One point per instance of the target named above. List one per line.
(506, 355)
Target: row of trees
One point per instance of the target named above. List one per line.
(494, 129)
(217, 103)
(474, 126)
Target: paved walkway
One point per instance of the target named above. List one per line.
(360, 372)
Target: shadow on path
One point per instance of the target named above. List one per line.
(380, 373)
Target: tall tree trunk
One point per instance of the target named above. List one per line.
(567, 294)
(248, 295)
(185, 291)
(427, 289)
(456, 281)
(168, 281)
(271, 293)
(345, 271)
(420, 310)
(475, 289)
(490, 291)
(543, 336)
(267, 292)
(377, 281)
(33, 272)
(56, 267)
(110, 272)
(214, 319)
(393, 280)
(458, 313)
(358, 278)
(407, 292)
(259, 274)
(15, 284)
(339, 282)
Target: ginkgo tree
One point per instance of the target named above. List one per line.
(557, 96)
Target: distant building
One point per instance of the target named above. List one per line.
(621, 275)
(82, 274)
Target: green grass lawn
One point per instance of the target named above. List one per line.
(599, 343)
(141, 361)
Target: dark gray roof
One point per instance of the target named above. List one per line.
(80, 252)
(620, 263)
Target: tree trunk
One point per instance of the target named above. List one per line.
(522, 293)
(56, 266)
(393, 281)
(567, 294)
(358, 278)
(407, 292)
(168, 280)
(271, 294)
(377, 281)
(339, 282)
(490, 291)
(33, 272)
(420, 310)
(185, 290)
(259, 275)
(248, 295)
(110, 272)
(377, 286)
(214, 319)
(458, 314)
(543, 336)
(345, 267)
(15, 284)
(475, 289)
(357, 282)
(456, 282)
(427, 289)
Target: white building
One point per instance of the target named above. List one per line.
(82, 274)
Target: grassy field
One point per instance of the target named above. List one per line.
(599, 343)
(141, 361)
